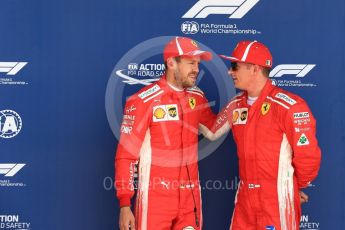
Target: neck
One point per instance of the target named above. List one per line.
(172, 81)
(257, 87)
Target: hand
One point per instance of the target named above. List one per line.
(126, 220)
(303, 197)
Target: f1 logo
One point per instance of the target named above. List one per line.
(300, 70)
(10, 169)
(11, 68)
(234, 8)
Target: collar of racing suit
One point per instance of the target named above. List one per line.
(265, 91)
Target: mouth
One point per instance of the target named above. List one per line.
(193, 76)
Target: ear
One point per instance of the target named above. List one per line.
(257, 70)
(171, 63)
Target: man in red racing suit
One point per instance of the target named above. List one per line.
(159, 133)
(276, 144)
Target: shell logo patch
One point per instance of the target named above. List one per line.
(165, 113)
(192, 102)
(240, 116)
(159, 113)
(235, 116)
(265, 108)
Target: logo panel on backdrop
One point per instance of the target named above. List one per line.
(8, 72)
(234, 9)
(294, 75)
(10, 123)
(8, 171)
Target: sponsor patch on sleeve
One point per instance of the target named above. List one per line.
(300, 115)
(298, 130)
(127, 124)
(303, 140)
(302, 121)
(130, 109)
(126, 129)
(286, 98)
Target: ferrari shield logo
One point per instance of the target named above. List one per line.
(192, 102)
(265, 108)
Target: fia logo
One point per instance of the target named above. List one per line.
(132, 66)
(190, 27)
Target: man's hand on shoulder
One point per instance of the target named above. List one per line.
(126, 220)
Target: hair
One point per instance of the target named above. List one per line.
(177, 59)
(266, 71)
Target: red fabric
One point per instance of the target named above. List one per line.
(259, 137)
(171, 119)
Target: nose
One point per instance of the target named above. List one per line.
(230, 71)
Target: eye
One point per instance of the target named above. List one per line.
(234, 66)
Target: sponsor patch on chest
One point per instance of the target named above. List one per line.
(240, 116)
(165, 113)
(149, 92)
